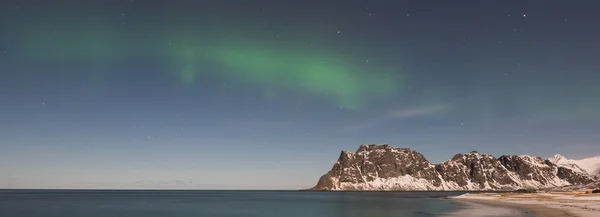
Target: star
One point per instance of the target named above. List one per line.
(338, 31)
(524, 15)
(369, 14)
(367, 60)
(43, 103)
(407, 15)
(505, 74)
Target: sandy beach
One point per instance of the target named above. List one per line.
(571, 204)
(478, 209)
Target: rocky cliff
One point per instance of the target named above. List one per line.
(385, 168)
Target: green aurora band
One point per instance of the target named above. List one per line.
(271, 64)
(314, 72)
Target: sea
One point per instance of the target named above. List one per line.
(192, 203)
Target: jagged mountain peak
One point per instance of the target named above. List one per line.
(379, 147)
(536, 160)
(366, 147)
(383, 167)
(557, 158)
(473, 155)
(589, 165)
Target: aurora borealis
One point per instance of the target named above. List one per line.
(131, 89)
(246, 55)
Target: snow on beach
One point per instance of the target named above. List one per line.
(582, 205)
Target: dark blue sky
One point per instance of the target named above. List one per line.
(264, 94)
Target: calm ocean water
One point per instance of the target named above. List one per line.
(130, 203)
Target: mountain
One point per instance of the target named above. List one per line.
(589, 165)
(385, 168)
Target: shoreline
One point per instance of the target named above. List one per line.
(527, 209)
(565, 204)
(481, 209)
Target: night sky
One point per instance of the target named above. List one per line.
(265, 93)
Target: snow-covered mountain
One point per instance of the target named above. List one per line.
(589, 165)
(384, 168)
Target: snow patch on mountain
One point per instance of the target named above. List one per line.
(588, 165)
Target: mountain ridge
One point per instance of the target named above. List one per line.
(382, 167)
(590, 165)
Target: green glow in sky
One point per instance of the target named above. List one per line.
(348, 81)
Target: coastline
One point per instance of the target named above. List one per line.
(541, 204)
(479, 209)
(525, 209)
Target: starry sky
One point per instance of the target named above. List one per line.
(263, 94)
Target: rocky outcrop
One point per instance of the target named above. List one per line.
(385, 168)
(373, 163)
